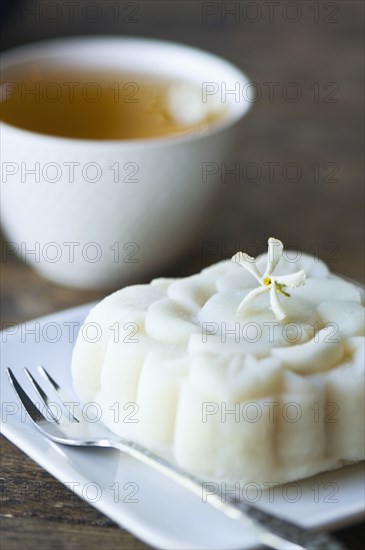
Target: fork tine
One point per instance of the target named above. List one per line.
(33, 411)
(41, 394)
(49, 378)
(60, 392)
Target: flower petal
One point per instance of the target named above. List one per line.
(248, 263)
(293, 280)
(250, 297)
(274, 253)
(275, 304)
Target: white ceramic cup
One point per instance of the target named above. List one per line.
(65, 211)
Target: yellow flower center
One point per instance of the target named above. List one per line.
(267, 281)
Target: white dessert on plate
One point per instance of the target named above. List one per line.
(252, 370)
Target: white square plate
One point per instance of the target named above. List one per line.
(153, 508)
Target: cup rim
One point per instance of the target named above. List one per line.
(23, 53)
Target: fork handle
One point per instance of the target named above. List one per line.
(270, 530)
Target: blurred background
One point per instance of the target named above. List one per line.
(298, 174)
(299, 158)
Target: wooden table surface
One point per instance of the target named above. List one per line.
(313, 49)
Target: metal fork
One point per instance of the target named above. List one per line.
(72, 429)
